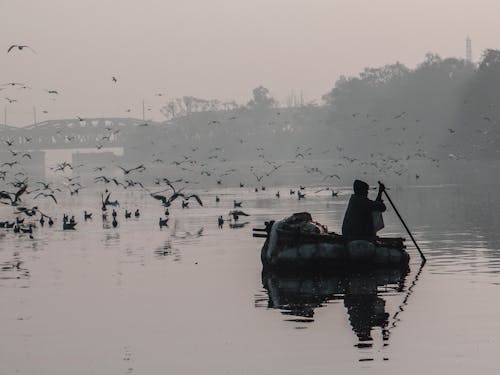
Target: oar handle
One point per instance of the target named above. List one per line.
(406, 227)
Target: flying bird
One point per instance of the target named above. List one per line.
(13, 84)
(46, 195)
(166, 201)
(236, 213)
(10, 164)
(402, 114)
(20, 47)
(140, 168)
(332, 176)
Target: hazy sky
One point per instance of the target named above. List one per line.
(215, 48)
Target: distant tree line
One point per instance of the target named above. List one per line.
(448, 104)
(187, 105)
(452, 102)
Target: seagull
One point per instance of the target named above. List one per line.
(163, 222)
(46, 195)
(332, 176)
(114, 79)
(17, 195)
(236, 213)
(19, 47)
(11, 100)
(13, 84)
(52, 91)
(139, 168)
(10, 164)
(131, 183)
(5, 195)
(166, 201)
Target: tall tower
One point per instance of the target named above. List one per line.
(468, 49)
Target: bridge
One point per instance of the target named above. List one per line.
(73, 133)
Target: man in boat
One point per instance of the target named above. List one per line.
(358, 219)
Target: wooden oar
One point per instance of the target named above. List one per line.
(406, 227)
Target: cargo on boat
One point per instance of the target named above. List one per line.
(298, 242)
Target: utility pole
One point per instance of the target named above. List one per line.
(468, 50)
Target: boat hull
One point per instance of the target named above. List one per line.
(289, 250)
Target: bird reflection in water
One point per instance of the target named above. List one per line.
(364, 295)
(166, 250)
(111, 239)
(178, 233)
(238, 225)
(13, 269)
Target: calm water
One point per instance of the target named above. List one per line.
(191, 299)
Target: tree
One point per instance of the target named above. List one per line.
(169, 110)
(262, 98)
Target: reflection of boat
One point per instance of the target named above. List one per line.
(297, 242)
(238, 225)
(300, 294)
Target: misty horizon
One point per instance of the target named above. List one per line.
(216, 50)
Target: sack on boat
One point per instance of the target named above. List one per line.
(301, 222)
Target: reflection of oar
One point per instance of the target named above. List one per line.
(401, 308)
(406, 227)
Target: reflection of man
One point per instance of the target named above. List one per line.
(358, 219)
(366, 311)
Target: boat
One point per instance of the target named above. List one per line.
(297, 242)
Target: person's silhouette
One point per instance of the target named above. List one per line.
(358, 219)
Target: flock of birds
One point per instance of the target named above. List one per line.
(20, 187)
(53, 93)
(194, 167)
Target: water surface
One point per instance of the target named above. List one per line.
(191, 298)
